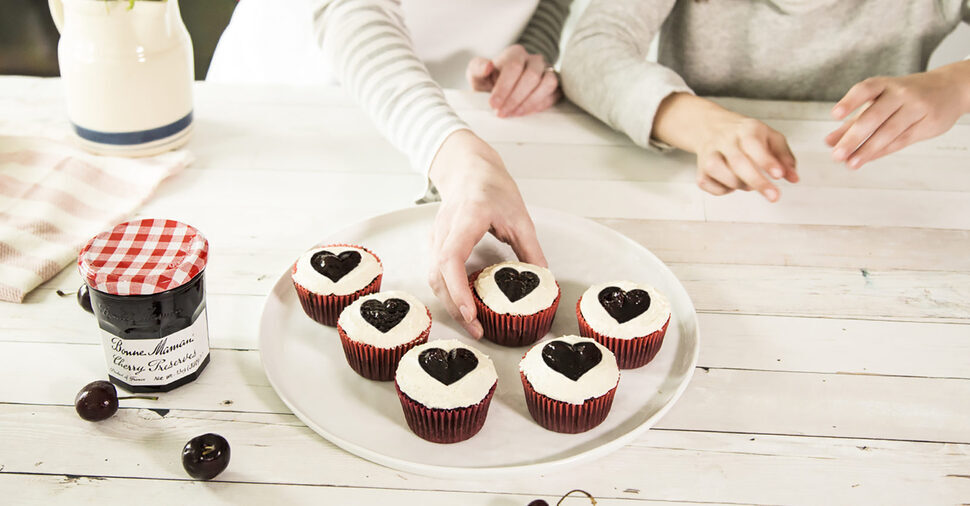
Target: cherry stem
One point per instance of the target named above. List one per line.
(146, 397)
(592, 500)
(62, 293)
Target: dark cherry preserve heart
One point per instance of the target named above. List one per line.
(624, 306)
(571, 360)
(515, 284)
(335, 266)
(448, 366)
(385, 315)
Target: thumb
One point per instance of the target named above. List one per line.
(527, 249)
(479, 74)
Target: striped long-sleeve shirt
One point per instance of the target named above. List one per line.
(371, 53)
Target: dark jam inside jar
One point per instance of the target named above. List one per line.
(153, 338)
(150, 316)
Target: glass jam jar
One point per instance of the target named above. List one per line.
(146, 280)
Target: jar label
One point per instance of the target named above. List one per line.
(157, 362)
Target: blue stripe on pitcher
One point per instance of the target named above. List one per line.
(131, 138)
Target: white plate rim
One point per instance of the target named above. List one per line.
(284, 282)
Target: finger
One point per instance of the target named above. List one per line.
(905, 136)
(743, 167)
(864, 126)
(479, 74)
(716, 169)
(462, 237)
(443, 224)
(779, 145)
(531, 77)
(758, 151)
(857, 96)
(510, 66)
(435, 281)
(437, 285)
(546, 94)
(539, 106)
(833, 138)
(713, 187)
(456, 284)
(525, 244)
(909, 136)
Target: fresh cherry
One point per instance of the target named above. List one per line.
(84, 298)
(539, 502)
(97, 401)
(205, 456)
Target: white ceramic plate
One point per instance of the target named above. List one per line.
(305, 363)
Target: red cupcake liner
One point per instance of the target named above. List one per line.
(325, 309)
(564, 417)
(375, 363)
(513, 330)
(444, 425)
(630, 353)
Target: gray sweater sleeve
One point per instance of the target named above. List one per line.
(542, 34)
(605, 69)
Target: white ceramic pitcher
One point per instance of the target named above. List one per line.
(127, 73)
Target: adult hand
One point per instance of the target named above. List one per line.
(898, 111)
(734, 152)
(521, 83)
(478, 196)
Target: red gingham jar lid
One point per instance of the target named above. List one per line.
(143, 257)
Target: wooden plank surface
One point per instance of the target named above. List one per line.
(836, 323)
(661, 465)
(855, 405)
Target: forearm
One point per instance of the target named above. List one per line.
(370, 52)
(957, 76)
(462, 155)
(680, 118)
(605, 69)
(542, 34)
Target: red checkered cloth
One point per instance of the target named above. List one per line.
(54, 197)
(143, 257)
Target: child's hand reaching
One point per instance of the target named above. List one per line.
(734, 152)
(898, 111)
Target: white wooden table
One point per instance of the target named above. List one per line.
(835, 350)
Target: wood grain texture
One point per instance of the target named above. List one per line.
(735, 400)
(877, 248)
(835, 324)
(71, 490)
(661, 465)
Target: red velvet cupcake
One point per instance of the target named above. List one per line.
(328, 278)
(515, 302)
(569, 383)
(630, 319)
(445, 388)
(377, 329)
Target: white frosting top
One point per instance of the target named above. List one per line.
(538, 299)
(597, 381)
(414, 381)
(648, 322)
(357, 328)
(366, 271)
